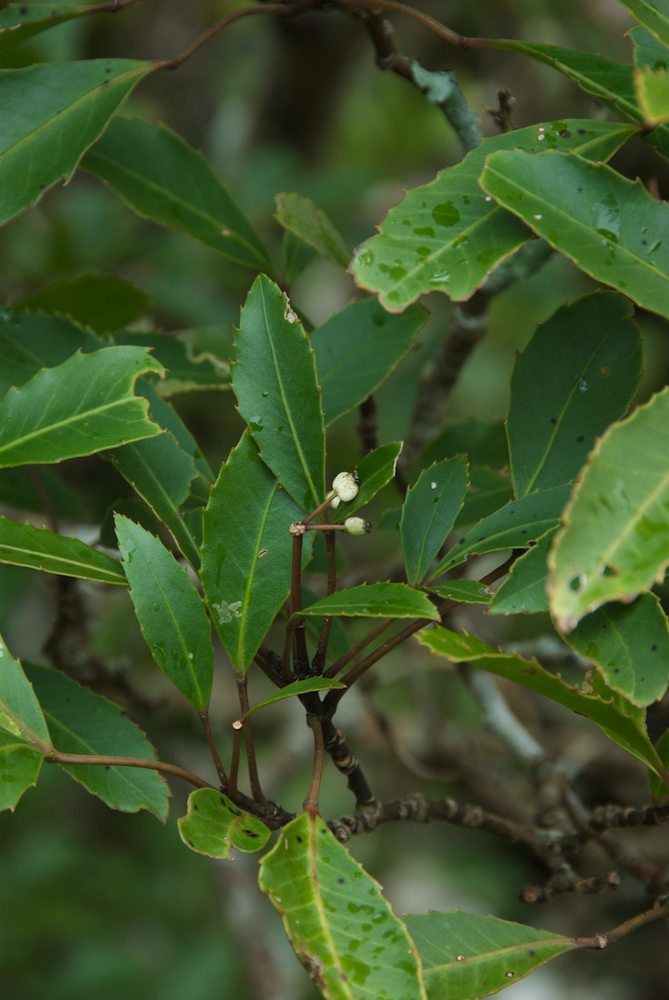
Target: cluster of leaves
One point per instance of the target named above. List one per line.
(578, 490)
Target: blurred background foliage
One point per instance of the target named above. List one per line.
(96, 903)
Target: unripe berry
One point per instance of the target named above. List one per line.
(345, 485)
(357, 526)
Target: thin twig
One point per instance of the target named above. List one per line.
(311, 801)
(213, 749)
(348, 764)
(657, 912)
(256, 789)
(431, 23)
(324, 638)
(278, 9)
(56, 757)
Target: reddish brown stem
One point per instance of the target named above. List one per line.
(56, 757)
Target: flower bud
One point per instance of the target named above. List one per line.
(357, 526)
(345, 485)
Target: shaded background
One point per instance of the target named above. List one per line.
(96, 903)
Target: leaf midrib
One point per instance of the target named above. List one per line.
(154, 188)
(118, 578)
(489, 168)
(497, 953)
(70, 109)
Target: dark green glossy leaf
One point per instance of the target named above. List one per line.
(629, 643)
(375, 471)
(524, 591)
(467, 957)
(610, 227)
(26, 489)
(302, 217)
(30, 342)
(577, 375)
(429, 512)
(187, 368)
(169, 610)
(357, 349)
(463, 591)
(611, 83)
(513, 526)
(246, 552)
(293, 690)
(20, 766)
(483, 442)
(654, 14)
(341, 928)
(101, 302)
(83, 722)
(375, 600)
(621, 721)
(278, 395)
(161, 471)
(19, 22)
(25, 545)
(20, 712)
(215, 826)
(164, 179)
(80, 407)
(446, 236)
(486, 493)
(615, 539)
(49, 116)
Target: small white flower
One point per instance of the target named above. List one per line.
(345, 485)
(357, 526)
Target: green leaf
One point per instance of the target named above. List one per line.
(482, 441)
(164, 179)
(621, 721)
(161, 472)
(653, 14)
(169, 610)
(446, 236)
(26, 489)
(374, 471)
(20, 712)
(277, 391)
(30, 342)
(648, 51)
(357, 349)
(609, 226)
(469, 957)
(187, 368)
(20, 766)
(375, 600)
(19, 22)
(629, 644)
(615, 539)
(302, 217)
(611, 83)
(25, 545)
(214, 826)
(524, 591)
(101, 302)
(83, 722)
(513, 526)
(652, 91)
(49, 116)
(578, 374)
(429, 512)
(78, 408)
(341, 928)
(246, 552)
(462, 591)
(293, 690)
(486, 493)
